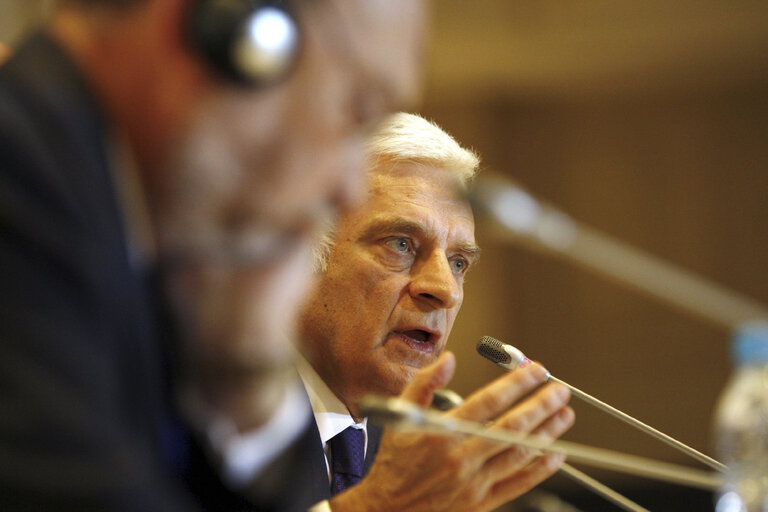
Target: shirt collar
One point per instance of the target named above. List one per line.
(331, 415)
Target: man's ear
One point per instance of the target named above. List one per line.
(5, 53)
(170, 19)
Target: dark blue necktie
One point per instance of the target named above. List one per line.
(347, 455)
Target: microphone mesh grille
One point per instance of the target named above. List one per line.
(492, 349)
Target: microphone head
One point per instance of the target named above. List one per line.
(502, 354)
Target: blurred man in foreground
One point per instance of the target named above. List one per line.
(390, 287)
(190, 147)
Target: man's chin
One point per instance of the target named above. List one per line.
(401, 377)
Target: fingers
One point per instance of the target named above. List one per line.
(428, 379)
(531, 412)
(498, 396)
(523, 481)
(556, 425)
(511, 460)
(543, 412)
(517, 470)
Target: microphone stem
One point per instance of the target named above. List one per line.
(601, 489)
(661, 436)
(406, 415)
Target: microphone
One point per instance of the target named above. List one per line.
(508, 357)
(517, 216)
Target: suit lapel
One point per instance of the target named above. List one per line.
(374, 438)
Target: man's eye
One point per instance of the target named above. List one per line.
(401, 245)
(459, 265)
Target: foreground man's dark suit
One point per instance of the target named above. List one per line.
(295, 481)
(85, 422)
(82, 377)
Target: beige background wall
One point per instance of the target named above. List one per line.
(17, 17)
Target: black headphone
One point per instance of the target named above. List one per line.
(253, 42)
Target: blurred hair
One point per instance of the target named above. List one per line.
(407, 138)
(110, 4)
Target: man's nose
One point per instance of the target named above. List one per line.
(434, 282)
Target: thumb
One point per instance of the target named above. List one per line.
(428, 379)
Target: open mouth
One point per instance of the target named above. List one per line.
(418, 335)
(420, 341)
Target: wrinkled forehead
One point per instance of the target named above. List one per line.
(421, 192)
(438, 182)
(384, 39)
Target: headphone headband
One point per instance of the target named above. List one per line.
(253, 42)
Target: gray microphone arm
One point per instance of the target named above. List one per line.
(519, 217)
(509, 358)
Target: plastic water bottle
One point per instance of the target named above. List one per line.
(741, 425)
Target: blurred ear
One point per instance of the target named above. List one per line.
(5, 53)
(191, 77)
(170, 21)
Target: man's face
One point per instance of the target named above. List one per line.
(260, 170)
(394, 283)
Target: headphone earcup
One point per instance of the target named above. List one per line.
(249, 41)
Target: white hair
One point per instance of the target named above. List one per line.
(408, 138)
(404, 137)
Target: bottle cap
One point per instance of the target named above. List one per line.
(750, 343)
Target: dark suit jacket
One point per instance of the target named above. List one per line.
(83, 383)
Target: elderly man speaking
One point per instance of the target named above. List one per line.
(390, 287)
